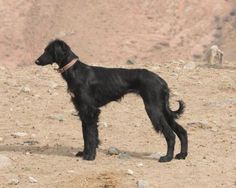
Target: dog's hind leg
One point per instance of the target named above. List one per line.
(160, 124)
(182, 135)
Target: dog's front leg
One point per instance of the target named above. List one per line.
(89, 117)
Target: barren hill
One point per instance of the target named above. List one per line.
(103, 32)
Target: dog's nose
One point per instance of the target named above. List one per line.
(37, 62)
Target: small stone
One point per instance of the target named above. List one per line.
(32, 179)
(124, 156)
(27, 153)
(181, 61)
(1, 139)
(19, 134)
(156, 156)
(198, 124)
(58, 117)
(4, 161)
(156, 68)
(214, 129)
(30, 142)
(14, 181)
(190, 66)
(140, 164)
(74, 113)
(113, 151)
(54, 85)
(175, 93)
(142, 184)
(105, 124)
(130, 62)
(25, 89)
(130, 172)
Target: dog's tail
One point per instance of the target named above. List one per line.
(177, 113)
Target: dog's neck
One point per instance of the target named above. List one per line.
(67, 60)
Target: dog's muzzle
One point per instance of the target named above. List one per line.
(37, 62)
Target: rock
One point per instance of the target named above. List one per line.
(105, 125)
(175, 93)
(32, 179)
(14, 181)
(156, 156)
(4, 161)
(1, 139)
(232, 125)
(58, 117)
(198, 124)
(54, 85)
(156, 68)
(142, 184)
(130, 172)
(140, 164)
(30, 142)
(181, 61)
(27, 153)
(19, 134)
(214, 129)
(130, 62)
(190, 66)
(74, 113)
(124, 156)
(25, 89)
(113, 151)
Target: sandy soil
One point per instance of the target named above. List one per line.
(34, 101)
(158, 36)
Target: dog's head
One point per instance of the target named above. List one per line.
(56, 52)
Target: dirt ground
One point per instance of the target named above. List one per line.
(34, 102)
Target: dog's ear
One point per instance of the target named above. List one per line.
(60, 51)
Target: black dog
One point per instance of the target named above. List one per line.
(92, 87)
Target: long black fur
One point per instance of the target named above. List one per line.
(93, 87)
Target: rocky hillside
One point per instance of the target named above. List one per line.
(102, 32)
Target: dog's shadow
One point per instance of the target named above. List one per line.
(68, 151)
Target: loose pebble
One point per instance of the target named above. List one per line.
(32, 179)
(113, 151)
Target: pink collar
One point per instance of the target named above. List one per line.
(67, 66)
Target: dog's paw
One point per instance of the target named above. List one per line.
(165, 159)
(89, 157)
(79, 154)
(181, 156)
